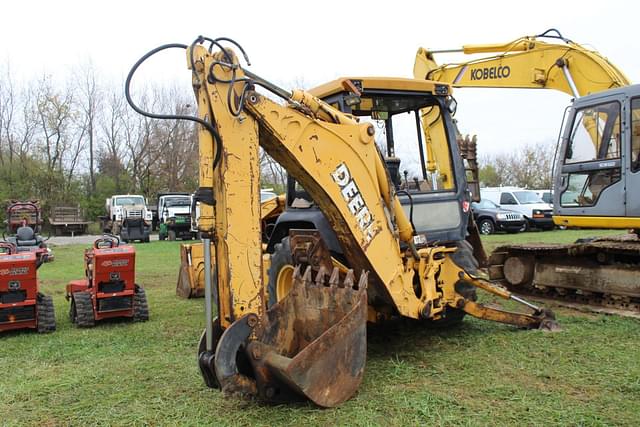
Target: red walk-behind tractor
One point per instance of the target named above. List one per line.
(21, 304)
(108, 289)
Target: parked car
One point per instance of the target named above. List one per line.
(538, 213)
(491, 218)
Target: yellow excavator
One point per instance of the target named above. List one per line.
(311, 343)
(595, 170)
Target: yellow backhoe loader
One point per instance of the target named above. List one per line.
(191, 273)
(312, 343)
(596, 168)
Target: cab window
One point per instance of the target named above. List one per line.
(422, 162)
(412, 135)
(595, 134)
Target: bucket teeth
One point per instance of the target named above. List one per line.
(364, 280)
(306, 278)
(334, 280)
(349, 280)
(321, 276)
(296, 275)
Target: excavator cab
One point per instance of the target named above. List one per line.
(598, 161)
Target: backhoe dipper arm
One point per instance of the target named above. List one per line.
(527, 62)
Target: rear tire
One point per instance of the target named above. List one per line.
(46, 314)
(84, 309)
(281, 263)
(464, 259)
(140, 306)
(172, 235)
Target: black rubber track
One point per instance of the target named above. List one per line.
(84, 309)
(46, 314)
(140, 306)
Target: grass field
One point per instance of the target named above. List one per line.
(480, 373)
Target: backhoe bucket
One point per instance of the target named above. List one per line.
(190, 282)
(311, 344)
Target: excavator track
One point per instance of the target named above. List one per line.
(598, 275)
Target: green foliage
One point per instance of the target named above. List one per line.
(530, 167)
(106, 186)
(29, 179)
(489, 176)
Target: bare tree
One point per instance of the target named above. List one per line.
(530, 167)
(17, 122)
(138, 138)
(60, 135)
(90, 95)
(114, 127)
(272, 174)
(54, 115)
(7, 106)
(175, 145)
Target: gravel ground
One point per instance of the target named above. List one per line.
(85, 239)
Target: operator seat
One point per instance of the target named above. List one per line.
(25, 236)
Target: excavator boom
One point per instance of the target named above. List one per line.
(526, 63)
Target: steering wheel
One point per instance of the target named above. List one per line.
(106, 241)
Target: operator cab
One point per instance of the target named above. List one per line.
(425, 166)
(599, 161)
(396, 107)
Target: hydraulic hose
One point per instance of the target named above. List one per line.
(208, 126)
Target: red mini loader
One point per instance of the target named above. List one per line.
(108, 289)
(21, 304)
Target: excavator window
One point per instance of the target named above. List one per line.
(595, 147)
(595, 134)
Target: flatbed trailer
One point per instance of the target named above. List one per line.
(68, 220)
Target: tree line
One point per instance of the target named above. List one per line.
(78, 142)
(530, 167)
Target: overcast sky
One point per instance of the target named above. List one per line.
(312, 42)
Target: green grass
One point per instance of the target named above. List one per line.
(480, 373)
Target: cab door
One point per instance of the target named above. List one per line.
(633, 177)
(591, 164)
